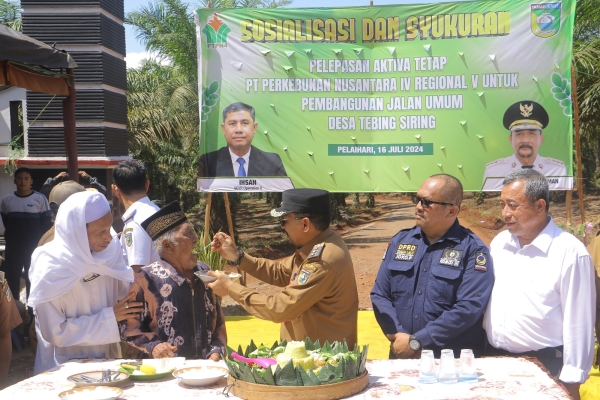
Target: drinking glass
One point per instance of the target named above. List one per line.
(467, 371)
(427, 370)
(447, 367)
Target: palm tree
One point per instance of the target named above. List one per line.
(586, 60)
(162, 101)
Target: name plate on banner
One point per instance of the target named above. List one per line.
(554, 183)
(244, 184)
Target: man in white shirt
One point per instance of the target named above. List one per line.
(543, 302)
(76, 283)
(130, 186)
(525, 121)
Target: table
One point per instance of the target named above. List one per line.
(499, 378)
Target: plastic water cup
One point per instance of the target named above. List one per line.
(467, 371)
(427, 370)
(447, 367)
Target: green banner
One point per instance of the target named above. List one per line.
(377, 99)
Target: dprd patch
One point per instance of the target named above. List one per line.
(303, 277)
(405, 252)
(480, 261)
(129, 237)
(451, 257)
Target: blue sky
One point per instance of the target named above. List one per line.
(136, 52)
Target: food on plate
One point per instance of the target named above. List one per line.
(299, 363)
(296, 351)
(148, 369)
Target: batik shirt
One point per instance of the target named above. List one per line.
(182, 313)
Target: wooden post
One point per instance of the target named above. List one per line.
(207, 237)
(229, 221)
(568, 206)
(577, 144)
(232, 234)
(70, 128)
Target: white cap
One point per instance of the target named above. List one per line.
(96, 207)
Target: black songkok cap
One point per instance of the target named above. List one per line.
(164, 220)
(526, 114)
(303, 201)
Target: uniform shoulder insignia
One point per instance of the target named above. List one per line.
(316, 251)
(554, 161)
(129, 216)
(498, 161)
(128, 236)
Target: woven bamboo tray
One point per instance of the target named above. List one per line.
(252, 391)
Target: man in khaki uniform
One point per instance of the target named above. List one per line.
(320, 299)
(9, 320)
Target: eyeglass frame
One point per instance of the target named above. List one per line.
(283, 221)
(426, 203)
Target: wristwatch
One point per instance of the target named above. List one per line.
(239, 260)
(414, 343)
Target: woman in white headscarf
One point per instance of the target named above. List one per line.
(76, 283)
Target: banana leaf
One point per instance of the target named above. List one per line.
(247, 374)
(303, 378)
(363, 360)
(250, 348)
(351, 369)
(326, 374)
(268, 377)
(287, 376)
(313, 378)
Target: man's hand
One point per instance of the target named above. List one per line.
(164, 350)
(224, 245)
(127, 308)
(573, 389)
(61, 175)
(220, 287)
(84, 175)
(215, 357)
(399, 345)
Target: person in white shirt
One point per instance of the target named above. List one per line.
(130, 187)
(543, 302)
(76, 283)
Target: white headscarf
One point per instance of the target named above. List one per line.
(58, 265)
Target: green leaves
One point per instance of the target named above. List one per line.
(350, 364)
(561, 91)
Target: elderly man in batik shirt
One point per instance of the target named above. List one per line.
(182, 317)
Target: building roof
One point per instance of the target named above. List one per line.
(15, 46)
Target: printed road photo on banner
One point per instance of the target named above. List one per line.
(377, 99)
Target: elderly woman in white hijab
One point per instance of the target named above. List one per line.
(76, 283)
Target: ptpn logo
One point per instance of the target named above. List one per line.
(545, 19)
(216, 32)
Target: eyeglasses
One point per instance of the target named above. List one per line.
(426, 203)
(283, 221)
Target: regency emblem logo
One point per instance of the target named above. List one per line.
(545, 19)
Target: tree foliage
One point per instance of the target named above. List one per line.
(162, 102)
(10, 14)
(586, 61)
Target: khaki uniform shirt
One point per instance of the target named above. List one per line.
(9, 314)
(320, 299)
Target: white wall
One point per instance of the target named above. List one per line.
(7, 186)
(6, 96)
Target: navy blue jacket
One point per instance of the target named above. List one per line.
(437, 292)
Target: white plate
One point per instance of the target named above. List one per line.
(92, 393)
(118, 379)
(204, 277)
(200, 376)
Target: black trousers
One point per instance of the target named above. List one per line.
(16, 260)
(550, 357)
